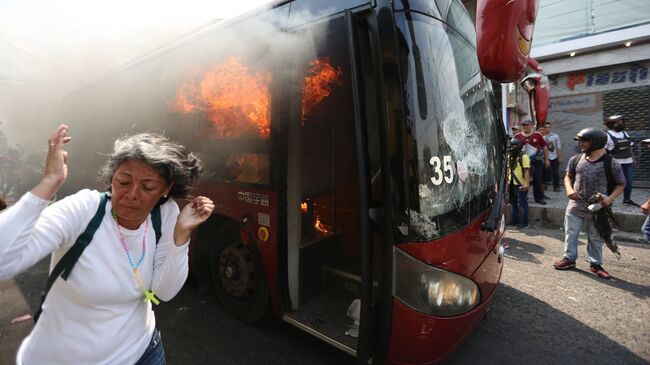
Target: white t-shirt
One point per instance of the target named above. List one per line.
(97, 316)
(553, 144)
(610, 145)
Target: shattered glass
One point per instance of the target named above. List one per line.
(450, 107)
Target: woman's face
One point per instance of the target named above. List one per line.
(136, 188)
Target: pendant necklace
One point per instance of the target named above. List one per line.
(149, 295)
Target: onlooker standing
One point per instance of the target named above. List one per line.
(515, 129)
(554, 154)
(619, 146)
(535, 148)
(584, 178)
(518, 176)
(545, 169)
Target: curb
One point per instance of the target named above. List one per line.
(550, 217)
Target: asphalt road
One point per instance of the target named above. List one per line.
(538, 316)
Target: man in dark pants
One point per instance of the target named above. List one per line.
(619, 145)
(554, 146)
(518, 175)
(535, 148)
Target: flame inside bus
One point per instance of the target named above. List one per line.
(320, 227)
(311, 212)
(316, 86)
(234, 98)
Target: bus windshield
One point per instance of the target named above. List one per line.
(453, 155)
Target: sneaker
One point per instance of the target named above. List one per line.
(542, 202)
(524, 226)
(598, 270)
(630, 202)
(565, 264)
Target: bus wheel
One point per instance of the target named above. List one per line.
(238, 276)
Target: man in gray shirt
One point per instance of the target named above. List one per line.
(584, 179)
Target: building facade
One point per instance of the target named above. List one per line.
(597, 57)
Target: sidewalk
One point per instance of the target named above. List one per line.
(551, 215)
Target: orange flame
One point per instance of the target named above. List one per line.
(316, 85)
(235, 99)
(320, 227)
(303, 207)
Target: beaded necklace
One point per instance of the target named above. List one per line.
(149, 295)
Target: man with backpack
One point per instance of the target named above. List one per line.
(593, 171)
(518, 175)
(619, 145)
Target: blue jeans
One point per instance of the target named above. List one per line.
(572, 225)
(522, 201)
(155, 353)
(628, 171)
(645, 229)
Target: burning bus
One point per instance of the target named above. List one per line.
(354, 154)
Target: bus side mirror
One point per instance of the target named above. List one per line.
(504, 33)
(536, 85)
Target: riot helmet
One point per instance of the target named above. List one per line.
(597, 138)
(615, 122)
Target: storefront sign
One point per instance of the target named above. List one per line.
(603, 79)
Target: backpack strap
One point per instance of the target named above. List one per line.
(64, 267)
(519, 162)
(156, 221)
(614, 140)
(611, 183)
(573, 167)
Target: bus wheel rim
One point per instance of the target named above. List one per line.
(237, 271)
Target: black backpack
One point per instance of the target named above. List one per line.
(609, 174)
(69, 259)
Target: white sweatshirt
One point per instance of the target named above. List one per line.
(97, 316)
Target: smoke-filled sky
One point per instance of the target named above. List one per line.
(36, 35)
(51, 47)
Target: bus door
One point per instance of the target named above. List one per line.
(332, 258)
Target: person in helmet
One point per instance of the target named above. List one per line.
(518, 176)
(619, 145)
(584, 178)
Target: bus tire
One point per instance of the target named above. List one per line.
(238, 275)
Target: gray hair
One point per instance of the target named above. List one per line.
(170, 159)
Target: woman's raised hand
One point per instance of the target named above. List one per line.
(193, 213)
(56, 168)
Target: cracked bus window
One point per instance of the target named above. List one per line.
(453, 159)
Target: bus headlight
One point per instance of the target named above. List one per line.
(431, 290)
